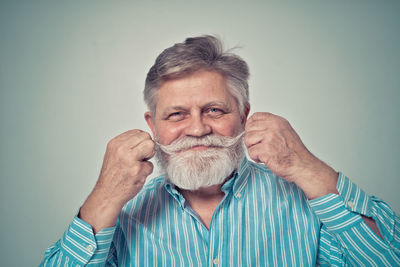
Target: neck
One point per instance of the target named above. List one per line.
(204, 201)
(203, 194)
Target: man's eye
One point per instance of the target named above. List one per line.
(175, 116)
(215, 111)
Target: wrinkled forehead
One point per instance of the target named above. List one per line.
(196, 89)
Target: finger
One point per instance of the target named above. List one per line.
(253, 152)
(258, 153)
(261, 116)
(256, 125)
(129, 139)
(144, 150)
(253, 137)
(261, 120)
(135, 137)
(147, 168)
(266, 117)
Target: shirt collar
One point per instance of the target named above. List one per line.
(171, 189)
(242, 175)
(236, 184)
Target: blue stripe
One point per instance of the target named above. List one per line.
(262, 221)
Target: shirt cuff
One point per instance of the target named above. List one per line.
(341, 212)
(81, 244)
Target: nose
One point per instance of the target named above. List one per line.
(197, 127)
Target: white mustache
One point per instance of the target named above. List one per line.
(208, 140)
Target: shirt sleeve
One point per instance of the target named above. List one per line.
(80, 247)
(345, 239)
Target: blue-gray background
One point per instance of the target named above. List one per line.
(72, 73)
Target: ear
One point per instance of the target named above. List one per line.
(150, 121)
(246, 114)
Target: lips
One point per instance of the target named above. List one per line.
(197, 148)
(200, 147)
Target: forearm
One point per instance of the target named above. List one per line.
(316, 179)
(99, 211)
(322, 180)
(362, 228)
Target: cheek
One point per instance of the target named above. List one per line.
(228, 128)
(166, 134)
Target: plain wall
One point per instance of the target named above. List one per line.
(72, 75)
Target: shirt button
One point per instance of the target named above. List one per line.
(350, 204)
(238, 195)
(89, 248)
(215, 261)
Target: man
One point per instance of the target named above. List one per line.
(213, 207)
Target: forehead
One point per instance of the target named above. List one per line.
(198, 88)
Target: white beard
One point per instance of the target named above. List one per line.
(193, 169)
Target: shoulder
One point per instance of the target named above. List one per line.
(277, 193)
(258, 172)
(150, 189)
(153, 184)
(149, 197)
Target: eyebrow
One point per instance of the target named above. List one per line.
(171, 109)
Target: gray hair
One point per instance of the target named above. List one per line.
(198, 53)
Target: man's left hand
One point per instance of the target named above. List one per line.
(271, 140)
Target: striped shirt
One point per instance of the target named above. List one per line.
(263, 220)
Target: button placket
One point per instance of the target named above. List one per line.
(89, 248)
(350, 204)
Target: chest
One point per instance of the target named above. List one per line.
(244, 231)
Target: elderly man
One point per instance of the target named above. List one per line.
(214, 207)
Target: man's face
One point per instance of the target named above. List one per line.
(196, 105)
(196, 117)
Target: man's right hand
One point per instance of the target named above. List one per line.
(123, 174)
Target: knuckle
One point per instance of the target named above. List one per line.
(249, 123)
(135, 169)
(145, 168)
(143, 135)
(247, 140)
(280, 119)
(120, 151)
(135, 153)
(261, 115)
(268, 137)
(150, 145)
(134, 131)
(251, 151)
(148, 168)
(145, 148)
(112, 143)
(283, 120)
(147, 135)
(140, 169)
